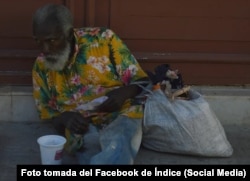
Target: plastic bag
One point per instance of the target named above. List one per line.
(183, 126)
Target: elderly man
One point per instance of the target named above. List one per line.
(84, 82)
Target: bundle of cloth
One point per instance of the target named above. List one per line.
(169, 80)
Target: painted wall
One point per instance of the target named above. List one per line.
(208, 41)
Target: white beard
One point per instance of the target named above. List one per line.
(59, 60)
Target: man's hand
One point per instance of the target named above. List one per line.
(117, 97)
(73, 121)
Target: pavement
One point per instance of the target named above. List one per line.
(19, 131)
(18, 146)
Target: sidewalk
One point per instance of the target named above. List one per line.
(20, 128)
(18, 145)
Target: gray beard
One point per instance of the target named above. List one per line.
(58, 61)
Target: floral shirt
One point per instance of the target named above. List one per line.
(89, 75)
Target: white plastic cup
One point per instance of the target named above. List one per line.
(51, 149)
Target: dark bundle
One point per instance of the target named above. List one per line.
(169, 80)
(164, 74)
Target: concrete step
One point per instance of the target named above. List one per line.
(230, 103)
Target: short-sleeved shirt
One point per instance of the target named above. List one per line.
(88, 75)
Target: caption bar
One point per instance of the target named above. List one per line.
(25, 171)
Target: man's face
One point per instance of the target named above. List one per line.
(54, 45)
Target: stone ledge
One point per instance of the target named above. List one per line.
(231, 104)
(224, 90)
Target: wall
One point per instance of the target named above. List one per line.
(208, 41)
